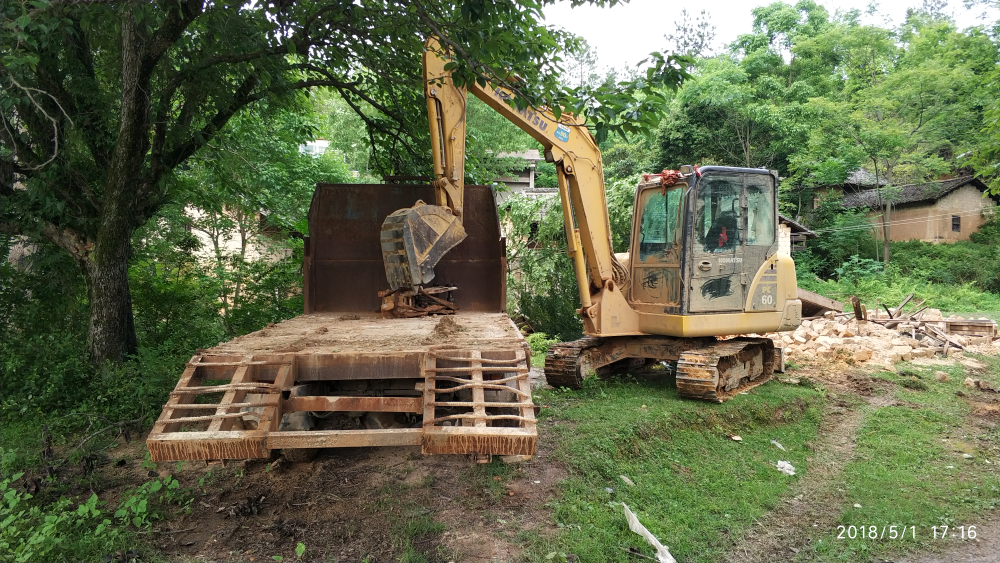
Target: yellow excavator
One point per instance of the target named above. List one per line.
(703, 264)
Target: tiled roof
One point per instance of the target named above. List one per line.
(913, 193)
(862, 177)
(797, 228)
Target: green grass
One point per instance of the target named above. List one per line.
(410, 524)
(944, 297)
(491, 477)
(909, 468)
(21, 434)
(694, 486)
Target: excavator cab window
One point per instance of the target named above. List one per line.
(717, 213)
(760, 210)
(660, 233)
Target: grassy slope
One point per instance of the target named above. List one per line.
(693, 485)
(696, 489)
(909, 469)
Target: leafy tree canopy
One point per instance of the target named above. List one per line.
(103, 102)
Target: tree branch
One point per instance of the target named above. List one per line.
(167, 34)
(55, 122)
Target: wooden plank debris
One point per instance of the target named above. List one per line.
(814, 304)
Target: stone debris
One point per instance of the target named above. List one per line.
(879, 340)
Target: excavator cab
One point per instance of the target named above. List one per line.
(713, 229)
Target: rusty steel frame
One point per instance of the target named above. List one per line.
(343, 269)
(255, 397)
(343, 273)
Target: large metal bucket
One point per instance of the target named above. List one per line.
(343, 269)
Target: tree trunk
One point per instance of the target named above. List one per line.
(111, 330)
(885, 231)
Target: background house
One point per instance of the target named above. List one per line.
(857, 181)
(943, 211)
(521, 179)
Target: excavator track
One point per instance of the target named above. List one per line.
(709, 371)
(562, 362)
(727, 368)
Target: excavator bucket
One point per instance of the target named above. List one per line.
(414, 239)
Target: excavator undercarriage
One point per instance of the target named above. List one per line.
(705, 368)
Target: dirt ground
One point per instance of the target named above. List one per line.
(358, 504)
(334, 332)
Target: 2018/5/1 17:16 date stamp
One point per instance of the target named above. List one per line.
(897, 532)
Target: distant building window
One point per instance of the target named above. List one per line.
(956, 223)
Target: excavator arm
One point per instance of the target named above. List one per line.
(567, 143)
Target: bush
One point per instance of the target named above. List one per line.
(842, 234)
(57, 531)
(857, 269)
(891, 287)
(975, 262)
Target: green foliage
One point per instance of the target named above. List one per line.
(539, 342)
(40, 338)
(973, 262)
(59, 532)
(112, 112)
(816, 96)
(843, 233)
(626, 159)
(891, 287)
(541, 284)
(138, 509)
(950, 276)
(31, 530)
(857, 269)
(185, 295)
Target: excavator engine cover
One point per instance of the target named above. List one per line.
(414, 239)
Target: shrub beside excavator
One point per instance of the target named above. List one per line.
(433, 360)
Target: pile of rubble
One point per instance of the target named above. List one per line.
(882, 340)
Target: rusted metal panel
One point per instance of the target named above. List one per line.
(179, 446)
(355, 404)
(345, 271)
(359, 365)
(344, 438)
(464, 440)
